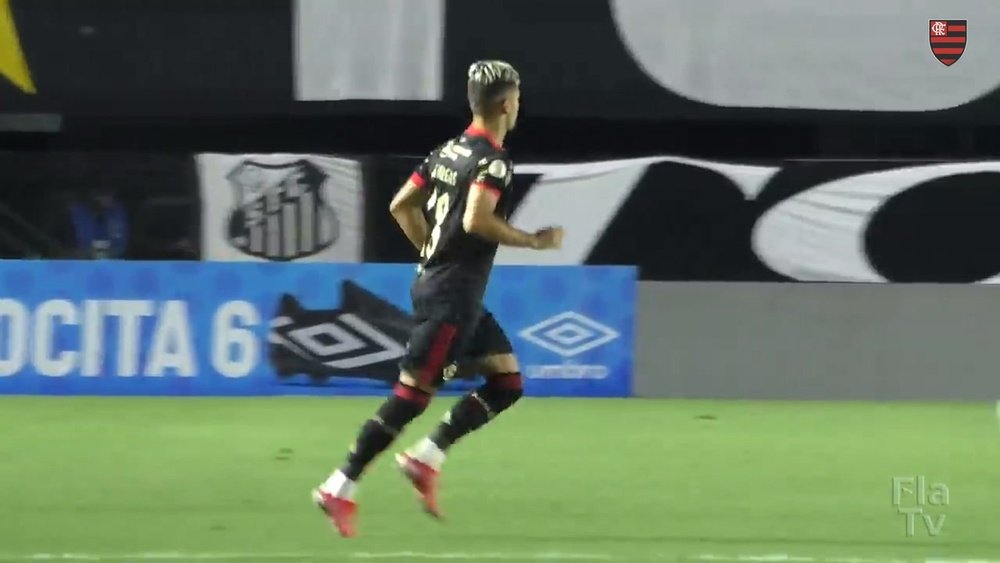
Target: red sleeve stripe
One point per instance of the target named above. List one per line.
(418, 180)
(493, 190)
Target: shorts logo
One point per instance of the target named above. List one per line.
(280, 213)
(569, 334)
(948, 38)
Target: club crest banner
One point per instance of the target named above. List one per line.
(280, 207)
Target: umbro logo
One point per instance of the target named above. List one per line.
(343, 342)
(569, 334)
(364, 337)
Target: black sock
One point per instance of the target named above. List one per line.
(378, 432)
(474, 410)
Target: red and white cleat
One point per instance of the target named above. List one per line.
(424, 478)
(340, 511)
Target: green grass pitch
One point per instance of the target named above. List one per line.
(121, 479)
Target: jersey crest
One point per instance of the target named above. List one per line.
(498, 169)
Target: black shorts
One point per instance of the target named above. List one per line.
(448, 333)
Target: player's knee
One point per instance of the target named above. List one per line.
(406, 404)
(499, 364)
(509, 397)
(504, 389)
(407, 380)
(413, 395)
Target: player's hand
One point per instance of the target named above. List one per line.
(549, 237)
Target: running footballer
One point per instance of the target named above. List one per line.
(454, 210)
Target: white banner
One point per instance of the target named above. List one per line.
(588, 195)
(805, 221)
(280, 207)
(818, 234)
(369, 50)
(858, 55)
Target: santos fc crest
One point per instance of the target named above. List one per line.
(280, 212)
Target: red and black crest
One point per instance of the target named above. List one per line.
(948, 40)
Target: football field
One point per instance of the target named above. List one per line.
(552, 480)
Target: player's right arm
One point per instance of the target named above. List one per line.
(407, 207)
(480, 213)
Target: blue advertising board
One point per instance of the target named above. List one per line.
(243, 329)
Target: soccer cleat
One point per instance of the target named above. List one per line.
(340, 511)
(424, 479)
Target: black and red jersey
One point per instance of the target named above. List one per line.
(452, 260)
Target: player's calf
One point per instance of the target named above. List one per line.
(470, 413)
(335, 495)
(421, 464)
(473, 411)
(405, 404)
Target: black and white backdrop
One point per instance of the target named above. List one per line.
(777, 60)
(676, 218)
(688, 219)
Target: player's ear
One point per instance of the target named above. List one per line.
(510, 100)
(507, 105)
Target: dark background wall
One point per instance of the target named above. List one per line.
(537, 137)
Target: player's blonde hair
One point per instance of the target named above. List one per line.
(489, 81)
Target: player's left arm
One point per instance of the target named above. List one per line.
(492, 178)
(407, 209)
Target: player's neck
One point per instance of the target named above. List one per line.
(494, 128)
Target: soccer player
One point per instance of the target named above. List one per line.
(453, 209)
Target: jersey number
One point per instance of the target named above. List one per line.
(441, 204)
(453, 151)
